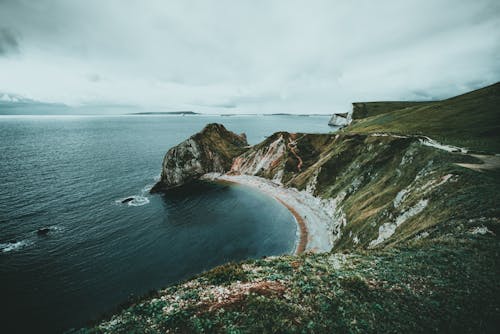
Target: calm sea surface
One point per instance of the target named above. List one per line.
(69, 173)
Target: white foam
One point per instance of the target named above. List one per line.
(15, 246)
(138, 201)
(147, 188)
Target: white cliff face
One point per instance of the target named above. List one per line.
(340, 119)
(260, 160)
(386, 230)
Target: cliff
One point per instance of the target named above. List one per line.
(211, 150)
(340, 119)
(416, 243)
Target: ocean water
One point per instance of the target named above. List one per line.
(70, 173)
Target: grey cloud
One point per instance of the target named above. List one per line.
(8, 42)
(255, 55)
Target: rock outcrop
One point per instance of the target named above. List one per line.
(340, 119)
(211, 150)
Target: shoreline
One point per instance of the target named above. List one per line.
(313, 231)
(304, 234)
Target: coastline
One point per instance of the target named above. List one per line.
(313, 233)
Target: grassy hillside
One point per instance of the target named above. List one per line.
(417, 238)
(368, 109)
(470, 120)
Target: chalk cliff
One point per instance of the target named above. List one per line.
(340, 119)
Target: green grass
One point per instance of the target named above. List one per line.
(470, 120)
(368, 109)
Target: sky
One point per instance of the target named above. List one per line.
(246, 56)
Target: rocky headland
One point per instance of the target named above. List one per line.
(211, 150)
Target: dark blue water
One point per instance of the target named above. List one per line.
(69, 174)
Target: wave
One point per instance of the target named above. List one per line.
(15, 246)
(135, 200)
(138, 200)
(147, 188)
(52, 228)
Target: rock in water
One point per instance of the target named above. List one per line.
(211, 150)
(340, 119)
(126, 200)
(43, 231)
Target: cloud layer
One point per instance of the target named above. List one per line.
(247, 56)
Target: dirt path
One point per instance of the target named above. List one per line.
(292, 147)
(490, 162)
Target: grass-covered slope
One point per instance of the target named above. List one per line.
(369, 109)
(441, 285)
(470, 120)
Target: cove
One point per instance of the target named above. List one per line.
(69, 174)
(197, 229)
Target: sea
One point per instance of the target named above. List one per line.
(69, 175)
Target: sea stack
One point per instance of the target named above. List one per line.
(211, 150)
(340, 119)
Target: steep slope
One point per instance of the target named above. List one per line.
(369, 109)
(470, 120)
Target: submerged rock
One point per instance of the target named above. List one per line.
(211, 150)
(43, 231)
(128, 199)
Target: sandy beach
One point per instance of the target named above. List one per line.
(314, 223)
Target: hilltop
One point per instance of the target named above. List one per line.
(471, 120)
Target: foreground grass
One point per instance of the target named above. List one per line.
(442, 283)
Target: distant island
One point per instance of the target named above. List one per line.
(166, 113)
(297, 115)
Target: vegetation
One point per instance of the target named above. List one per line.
(368, 109)
(470, 120)
(417, 248)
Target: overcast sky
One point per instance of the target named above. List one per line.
(247, 56)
